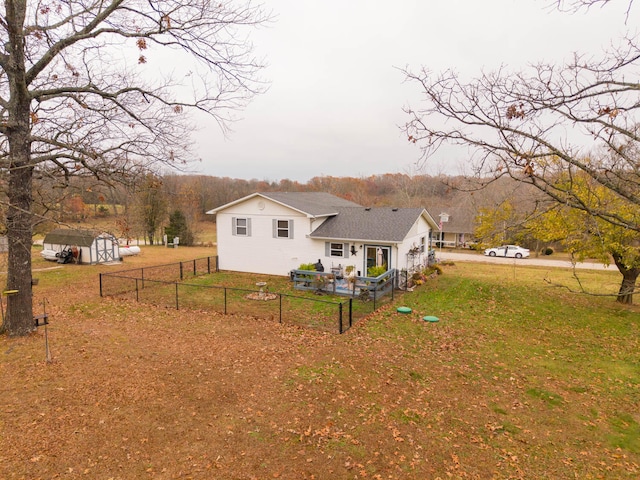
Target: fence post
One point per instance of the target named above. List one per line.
(340, 317)
(137, 295)
(350, 312)
(280, 295)
(195, 273)
(393, 283)
(100, 285)
(208, 265)
(177, 306)
(225, 300)
(375, 292)
(181, 271)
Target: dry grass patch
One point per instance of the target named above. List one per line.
(517, 380)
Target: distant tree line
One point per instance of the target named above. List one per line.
(143, 208)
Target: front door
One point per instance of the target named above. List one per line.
(377, 255)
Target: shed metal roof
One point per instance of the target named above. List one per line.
(67, 236)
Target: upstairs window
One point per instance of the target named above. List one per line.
(241, 227)
(283, 229)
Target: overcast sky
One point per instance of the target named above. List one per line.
(336, 94)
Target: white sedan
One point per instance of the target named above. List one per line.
(513, 251)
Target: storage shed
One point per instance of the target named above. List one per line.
(87, 246)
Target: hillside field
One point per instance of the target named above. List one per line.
(521, 378)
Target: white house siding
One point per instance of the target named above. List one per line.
(419, 230)
(260, 252)
(272, 256)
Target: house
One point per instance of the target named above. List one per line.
(274, 233)
(456, 228)
(86, 246)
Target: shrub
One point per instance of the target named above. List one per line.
(433, 269)
(547, 251)
(179, 227)
(319, 283)
(376, 271)
(364, 295)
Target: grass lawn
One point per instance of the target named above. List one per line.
(519, 378)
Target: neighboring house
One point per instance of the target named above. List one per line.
(87, 246)
(456, 228)
(274, 233)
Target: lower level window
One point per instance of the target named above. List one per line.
(336, 250)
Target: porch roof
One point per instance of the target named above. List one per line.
(382, 224)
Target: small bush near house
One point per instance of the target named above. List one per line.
(547, 251)
(418, 278)
(376, 271)
(433, 269)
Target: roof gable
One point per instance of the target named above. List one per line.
(315, 204)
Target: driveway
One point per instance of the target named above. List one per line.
(444, 255)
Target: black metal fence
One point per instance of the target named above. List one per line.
(145, 285)
(115, 283)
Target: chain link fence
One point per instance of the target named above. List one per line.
(184, 285)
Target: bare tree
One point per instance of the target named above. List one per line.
(533, 125)
(151, 205)
(575, 5)
(84, 90)
(550, 122)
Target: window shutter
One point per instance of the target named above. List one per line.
(275, 228)
(345, 249)
(327, 249)
(291, 229)
(233, 226)
(248, 227)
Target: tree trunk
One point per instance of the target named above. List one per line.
(628, 285)
(625, 294)
(19, 315)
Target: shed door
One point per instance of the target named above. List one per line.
(104, 250)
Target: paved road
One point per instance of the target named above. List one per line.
(545, 262)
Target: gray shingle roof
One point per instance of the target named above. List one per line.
(314, 203)
(381, 224)
(461, 220)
